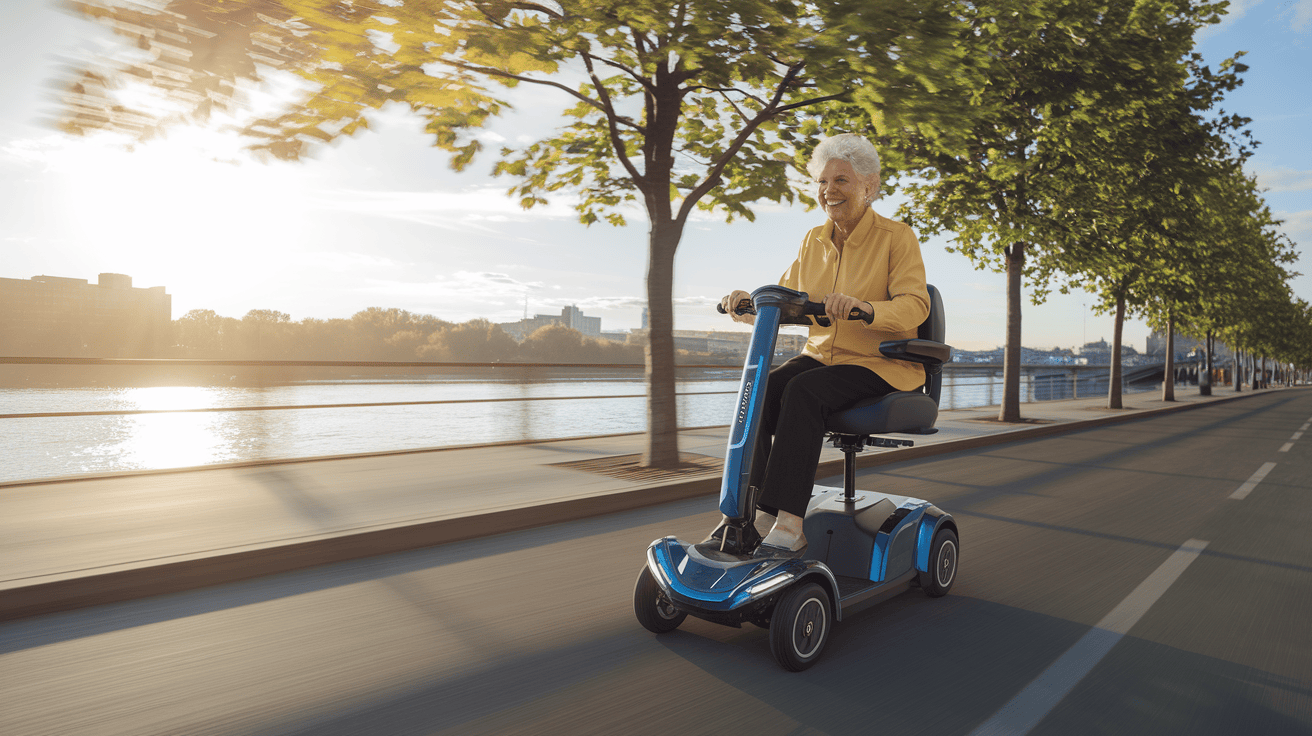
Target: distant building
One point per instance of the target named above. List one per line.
(571, 316)
(1183, 346)
(53, 316)
(716, 342)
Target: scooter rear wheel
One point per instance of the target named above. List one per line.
(800, 626)
(654, 611)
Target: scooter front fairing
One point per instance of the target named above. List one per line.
(729, 589)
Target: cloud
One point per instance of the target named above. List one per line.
(1237, 9)
(495, 279)
(1298, 226)
(605, 302)
(1302, 16)
(626, 302)
(1281, 179)
(460, 210)
(346, 262)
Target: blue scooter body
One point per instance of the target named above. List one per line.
(858, 551)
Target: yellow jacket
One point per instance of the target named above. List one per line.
(881, 264)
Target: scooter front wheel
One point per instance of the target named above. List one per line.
(653, 609)
(799, 627)
(942, 573)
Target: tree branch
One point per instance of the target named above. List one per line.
(735, 107)
(811, 101)
(611, 118)
(604, 108)
(713, 176)
(550, 12)
(615, 64)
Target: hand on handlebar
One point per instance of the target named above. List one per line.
(841, 306)
(729, 303)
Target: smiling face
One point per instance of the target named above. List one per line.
(843, 194)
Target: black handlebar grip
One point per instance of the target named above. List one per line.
(745, 306)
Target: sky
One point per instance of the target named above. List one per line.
(381, 220)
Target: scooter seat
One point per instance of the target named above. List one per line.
(900, 411)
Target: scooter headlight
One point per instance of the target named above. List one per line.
(656, 568)
(771, 584)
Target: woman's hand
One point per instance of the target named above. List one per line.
(838, 306)
(731, 301)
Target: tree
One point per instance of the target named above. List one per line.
(474, 341)
(1141, 231)
(205, 334)
(264, 333)
(1051, 67)
(676, 106)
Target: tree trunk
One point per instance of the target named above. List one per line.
(1237, 361)
(1168, 370)
(1265, 382)
(662, 405)
(1205, 370)
(1114, 382)
(1010, 410)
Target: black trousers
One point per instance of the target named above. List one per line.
(799, 397)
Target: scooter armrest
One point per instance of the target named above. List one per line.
(925, 352)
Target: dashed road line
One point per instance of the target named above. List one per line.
(1038, 698)
(1242, 491)
(1285, 447)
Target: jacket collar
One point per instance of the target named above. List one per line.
(860, 234)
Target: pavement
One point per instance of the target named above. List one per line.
(74, 542)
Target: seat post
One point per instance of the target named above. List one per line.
(849, 473)
(850, 444)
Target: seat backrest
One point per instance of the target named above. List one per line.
(934, 328)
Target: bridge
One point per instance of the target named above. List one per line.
(487, 589)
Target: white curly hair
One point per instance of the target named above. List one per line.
(849, 147)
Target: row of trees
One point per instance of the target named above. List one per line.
(1063, 142)
(377, 334)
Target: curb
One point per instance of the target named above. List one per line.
(69, 591)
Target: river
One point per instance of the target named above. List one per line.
(44, 447)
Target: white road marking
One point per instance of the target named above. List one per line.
(1305, 426)
(1285, 447)
(1242, 491)
(1297, 435)
(1038, 698)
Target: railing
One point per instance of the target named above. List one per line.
(294, 409)
(965, 385)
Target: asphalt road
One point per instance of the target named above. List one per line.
(533, 632)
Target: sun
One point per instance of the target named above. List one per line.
(188, 211)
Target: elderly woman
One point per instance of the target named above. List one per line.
(857, 259)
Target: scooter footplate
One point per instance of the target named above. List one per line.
(848, 586)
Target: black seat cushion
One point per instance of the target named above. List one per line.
(900, 411)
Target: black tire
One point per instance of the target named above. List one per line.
(653, 609)
(799, 627)
(944, 554)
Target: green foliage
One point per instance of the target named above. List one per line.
(1064, 81)
(708, 104)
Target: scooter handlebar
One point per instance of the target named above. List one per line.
(814, 309)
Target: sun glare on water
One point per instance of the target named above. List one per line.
(153, 441)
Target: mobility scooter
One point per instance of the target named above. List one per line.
(863, 547)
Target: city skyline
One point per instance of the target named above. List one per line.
(381, 221)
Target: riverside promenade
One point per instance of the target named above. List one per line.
(73, 542)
